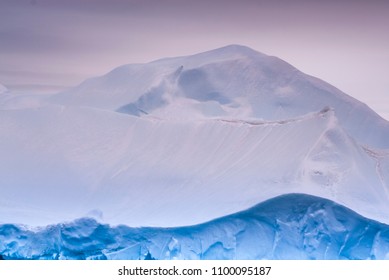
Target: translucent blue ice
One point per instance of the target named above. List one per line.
(293, 226)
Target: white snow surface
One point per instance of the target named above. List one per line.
(181, 141)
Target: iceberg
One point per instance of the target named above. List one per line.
(292, 226)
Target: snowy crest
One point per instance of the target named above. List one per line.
(232, 82)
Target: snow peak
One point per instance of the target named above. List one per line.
(137, 271)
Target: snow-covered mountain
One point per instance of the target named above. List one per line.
(181, 141)
(230, 82)
(293, 226)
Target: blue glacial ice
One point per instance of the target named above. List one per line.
(292, 226)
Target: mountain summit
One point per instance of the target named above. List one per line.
(230, 82)
(180, 141)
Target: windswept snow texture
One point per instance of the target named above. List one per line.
(293, 226)
(181, 141)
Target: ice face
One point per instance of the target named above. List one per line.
(293, 226)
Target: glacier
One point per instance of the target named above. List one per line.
(165, 145)
(208, 134)
(293, 226)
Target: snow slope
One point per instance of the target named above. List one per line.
(184, 140)
(293, 226)
(121, 165)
